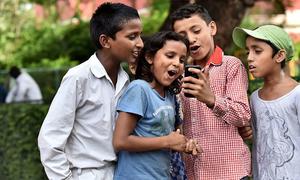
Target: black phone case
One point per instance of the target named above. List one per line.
(188, 73)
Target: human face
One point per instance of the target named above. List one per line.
(199, 34)
(127, 43)
(260, 61)
(167, 64)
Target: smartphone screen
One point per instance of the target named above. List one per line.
(188, 73)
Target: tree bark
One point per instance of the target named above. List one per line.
(226, 13)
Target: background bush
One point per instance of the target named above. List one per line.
(19, 155)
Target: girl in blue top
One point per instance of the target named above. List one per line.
(144, 132)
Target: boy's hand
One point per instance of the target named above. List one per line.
(192, 147)
(176, 141)
(200, 87)
(245, 132)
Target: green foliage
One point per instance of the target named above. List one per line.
(48, 80)
(19, 155)
(27, 41)
(158, 13)
(38, 47)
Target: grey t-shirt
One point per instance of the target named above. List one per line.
(276, 130)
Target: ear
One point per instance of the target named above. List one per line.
(213, 28)
(149, 59)
(132, 68)
(280, 56)
(104, 41)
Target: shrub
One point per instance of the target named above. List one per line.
(19, 155)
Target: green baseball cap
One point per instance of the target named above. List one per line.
(274, 34)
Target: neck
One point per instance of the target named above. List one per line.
(110, 65)
(273, 80)
(158, 88)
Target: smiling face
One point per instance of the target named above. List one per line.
(167, 64)
(127, 42)
(260, 60)
(199, 34)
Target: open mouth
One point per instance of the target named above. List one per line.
(251, 67)
(135, 54)
(172, 73)
(194, 48)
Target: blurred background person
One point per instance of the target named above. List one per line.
(25, 89)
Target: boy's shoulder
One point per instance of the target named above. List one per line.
(82, 70)
(231, 59)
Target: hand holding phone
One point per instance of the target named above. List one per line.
(189, 73)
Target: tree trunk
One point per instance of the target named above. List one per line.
(226, 13)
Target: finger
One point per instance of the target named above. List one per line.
(195, 151)
(178, 131)
(189, 146)
(199, 149)
(206, 72)
(194, 70)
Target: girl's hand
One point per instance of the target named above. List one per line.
(176, 141)
(192, 147)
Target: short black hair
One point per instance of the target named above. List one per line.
(275, 51)
(14, 72)
(153, 44)
(189, 10)
(108, 19)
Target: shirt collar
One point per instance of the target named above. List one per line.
(99, 71)
(97, 68)
(216, 57)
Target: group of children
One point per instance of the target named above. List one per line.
(100, 126)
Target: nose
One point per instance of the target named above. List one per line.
(140, 43)
(176, 62)
(250, 56)
(191, 38)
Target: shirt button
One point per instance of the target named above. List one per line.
(193, 120)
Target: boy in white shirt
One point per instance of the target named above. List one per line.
(75, 140)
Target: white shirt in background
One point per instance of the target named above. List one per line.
(24, 90)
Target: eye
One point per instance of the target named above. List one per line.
(170, 55)
(182, 60)
(257, 51)
(132, 36)
(183, 34)
(196, 31)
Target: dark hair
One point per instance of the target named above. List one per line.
(14, 72)
(108, 19)
(187, 11)
(275, 51)
(151, 46)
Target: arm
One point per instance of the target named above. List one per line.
(124, 140)
(11, 94)
(56, 129)
(233, 108)
(246, 132)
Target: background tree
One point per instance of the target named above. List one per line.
(226, 13)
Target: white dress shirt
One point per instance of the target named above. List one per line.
(24, 90)
(78, 129)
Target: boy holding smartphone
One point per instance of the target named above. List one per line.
(220, 104)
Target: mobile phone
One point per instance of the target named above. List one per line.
(188, 73)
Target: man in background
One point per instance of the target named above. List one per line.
(25, 88)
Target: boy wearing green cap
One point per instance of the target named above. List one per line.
(275, 117)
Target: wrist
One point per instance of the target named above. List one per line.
(211, 102)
